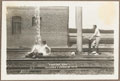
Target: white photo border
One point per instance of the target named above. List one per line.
(5, 76)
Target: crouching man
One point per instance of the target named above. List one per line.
(39, 49)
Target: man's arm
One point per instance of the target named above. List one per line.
(48, 50)
(33, 49)
(95, 33)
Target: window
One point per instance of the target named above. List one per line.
(34, 22)
(16, 25)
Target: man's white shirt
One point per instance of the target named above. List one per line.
(40, 49)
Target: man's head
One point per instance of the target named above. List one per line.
(43, 42)
(40, 42)
(37, 42)
(94, 26)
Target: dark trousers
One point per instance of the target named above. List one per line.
(92, 49)
(33, 54)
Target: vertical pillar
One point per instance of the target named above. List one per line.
(79, 28)
(72, 22)
(37, 17)
(72, 17)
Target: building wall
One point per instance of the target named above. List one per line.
(54, 26)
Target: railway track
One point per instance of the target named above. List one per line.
(62, 65)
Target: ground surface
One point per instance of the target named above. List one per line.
(60, 63)
(21, 55)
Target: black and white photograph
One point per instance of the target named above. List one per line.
(60, 40)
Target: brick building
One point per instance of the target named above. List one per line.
(21, 31)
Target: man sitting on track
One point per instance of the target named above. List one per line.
(39, 49)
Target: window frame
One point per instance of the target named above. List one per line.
(16, 24)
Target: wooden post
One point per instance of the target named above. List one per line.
(89, 44)
(79, 28)
(72, 17)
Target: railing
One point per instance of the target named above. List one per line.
(106, 42)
